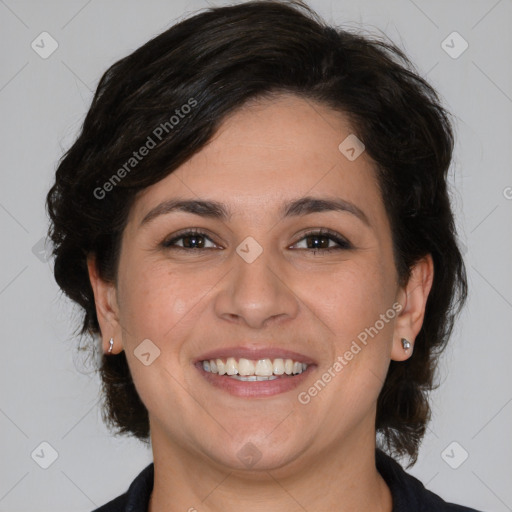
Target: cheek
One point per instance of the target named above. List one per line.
(165, 306)
(353, 297)
(361, 338)
(162, 307)
(358, 309)
(152, 299)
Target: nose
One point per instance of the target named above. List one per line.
(257, 293)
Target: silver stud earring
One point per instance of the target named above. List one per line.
(406, 344)
(111, 345)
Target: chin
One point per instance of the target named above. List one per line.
(253, 456)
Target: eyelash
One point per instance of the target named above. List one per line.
(331, 235)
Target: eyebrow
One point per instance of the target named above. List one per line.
(215, 210)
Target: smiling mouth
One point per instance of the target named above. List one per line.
(249, 370)
(254, 378)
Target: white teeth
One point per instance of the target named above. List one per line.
(231, 366)
(254, 378)
(248, 370)
(278, 367)
(264, 368)
(245, 367)
(220, 367)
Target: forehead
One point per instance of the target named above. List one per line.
(269, 152)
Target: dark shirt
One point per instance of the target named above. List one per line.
(409, 494)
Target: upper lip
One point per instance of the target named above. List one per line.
(254, 354)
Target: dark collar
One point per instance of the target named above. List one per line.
(409, 494)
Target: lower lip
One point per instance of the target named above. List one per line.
(257, 389)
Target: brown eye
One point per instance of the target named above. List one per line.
(190, 240)
(319, 241)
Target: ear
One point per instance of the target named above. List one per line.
(413, 298)
(107, 310)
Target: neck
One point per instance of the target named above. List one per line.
(343, 478)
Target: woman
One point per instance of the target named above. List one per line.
(256, 223)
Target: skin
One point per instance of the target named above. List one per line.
(318, 456)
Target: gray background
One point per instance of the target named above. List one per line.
(48, 395)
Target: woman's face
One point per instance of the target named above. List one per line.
(262, 284)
